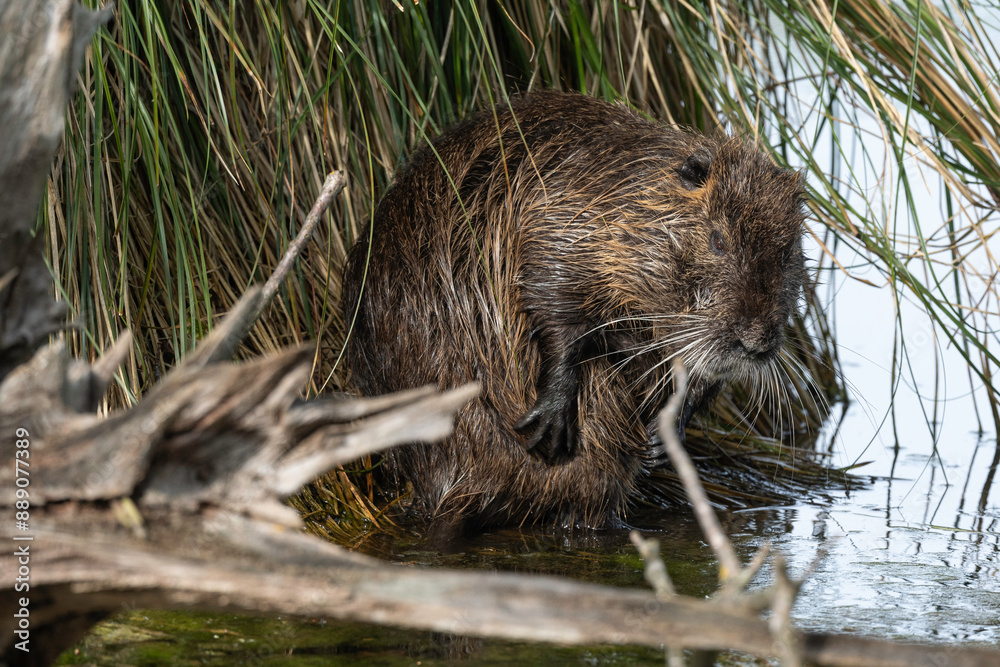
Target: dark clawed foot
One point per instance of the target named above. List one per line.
(550, 430)
(682, 430)
(656, 451)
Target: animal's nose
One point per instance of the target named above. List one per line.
(756, 340)
(754, 349)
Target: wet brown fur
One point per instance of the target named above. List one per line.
(572, 227)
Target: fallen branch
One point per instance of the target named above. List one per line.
(217, 560)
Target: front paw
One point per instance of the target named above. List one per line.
(656, 451)
(550, 429)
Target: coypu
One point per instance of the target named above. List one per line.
(560, 250)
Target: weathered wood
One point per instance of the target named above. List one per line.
(233, 435)
(208, 457)
(249, 567)
(41, 47)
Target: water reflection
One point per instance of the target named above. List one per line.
(905, 558)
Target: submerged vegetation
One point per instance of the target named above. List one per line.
(204, 131)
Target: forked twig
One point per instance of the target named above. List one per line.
(733, 576)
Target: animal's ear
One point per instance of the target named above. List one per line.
(795, 181)
(694, 171)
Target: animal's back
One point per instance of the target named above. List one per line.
(441, 306)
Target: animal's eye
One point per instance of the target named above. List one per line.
(717, 243)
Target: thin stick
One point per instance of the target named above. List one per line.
(729, 564)
(334, 183)
(657, 577)
(656, 572)
(222, 342)
(785, 592)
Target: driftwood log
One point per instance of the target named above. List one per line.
(178, 502)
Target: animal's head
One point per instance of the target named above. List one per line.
(743, 263)
(707, 250)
